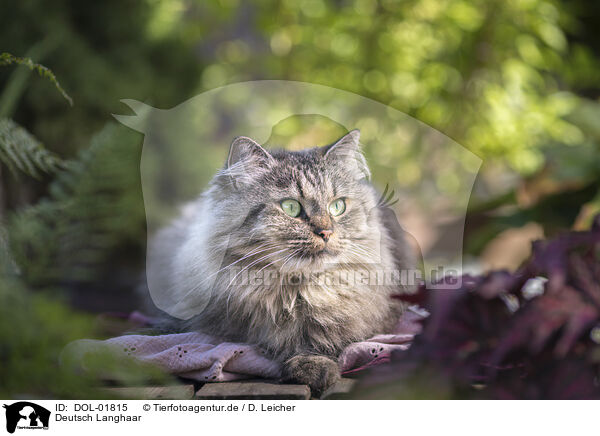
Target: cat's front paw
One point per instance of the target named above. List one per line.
(318, 372)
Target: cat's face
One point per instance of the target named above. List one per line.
(303, 209)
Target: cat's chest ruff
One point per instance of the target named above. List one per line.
(304, 301)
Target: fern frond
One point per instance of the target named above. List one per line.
(8, 59)
(19, 149)
(94, 211)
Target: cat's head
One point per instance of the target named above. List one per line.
(301, 209)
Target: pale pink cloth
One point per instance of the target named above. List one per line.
(207, 359)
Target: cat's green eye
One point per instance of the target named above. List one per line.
(337, 207)
(291, 208)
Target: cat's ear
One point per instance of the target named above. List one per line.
(346, 151)
(246, 160)
(246, 150)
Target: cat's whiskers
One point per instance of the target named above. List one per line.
(253, 263)
(362, 251)
(290, 257)
(355, 260)
(255, 251)
(278, 260)
(362, 247)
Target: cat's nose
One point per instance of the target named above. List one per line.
(324, 233)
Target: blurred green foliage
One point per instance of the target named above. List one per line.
(497, 76)
(34, 329)
(61, 241)
(101, 52)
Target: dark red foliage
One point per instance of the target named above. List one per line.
(491, 339)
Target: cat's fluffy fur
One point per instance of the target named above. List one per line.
(240, 217)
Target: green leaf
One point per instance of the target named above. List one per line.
(8, 59)
(19, 149)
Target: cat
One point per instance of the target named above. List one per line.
(297, 215)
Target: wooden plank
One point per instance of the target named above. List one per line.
(340, 390)
(252, 391)
(178, 392)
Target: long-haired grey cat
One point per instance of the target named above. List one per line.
(297, 214)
